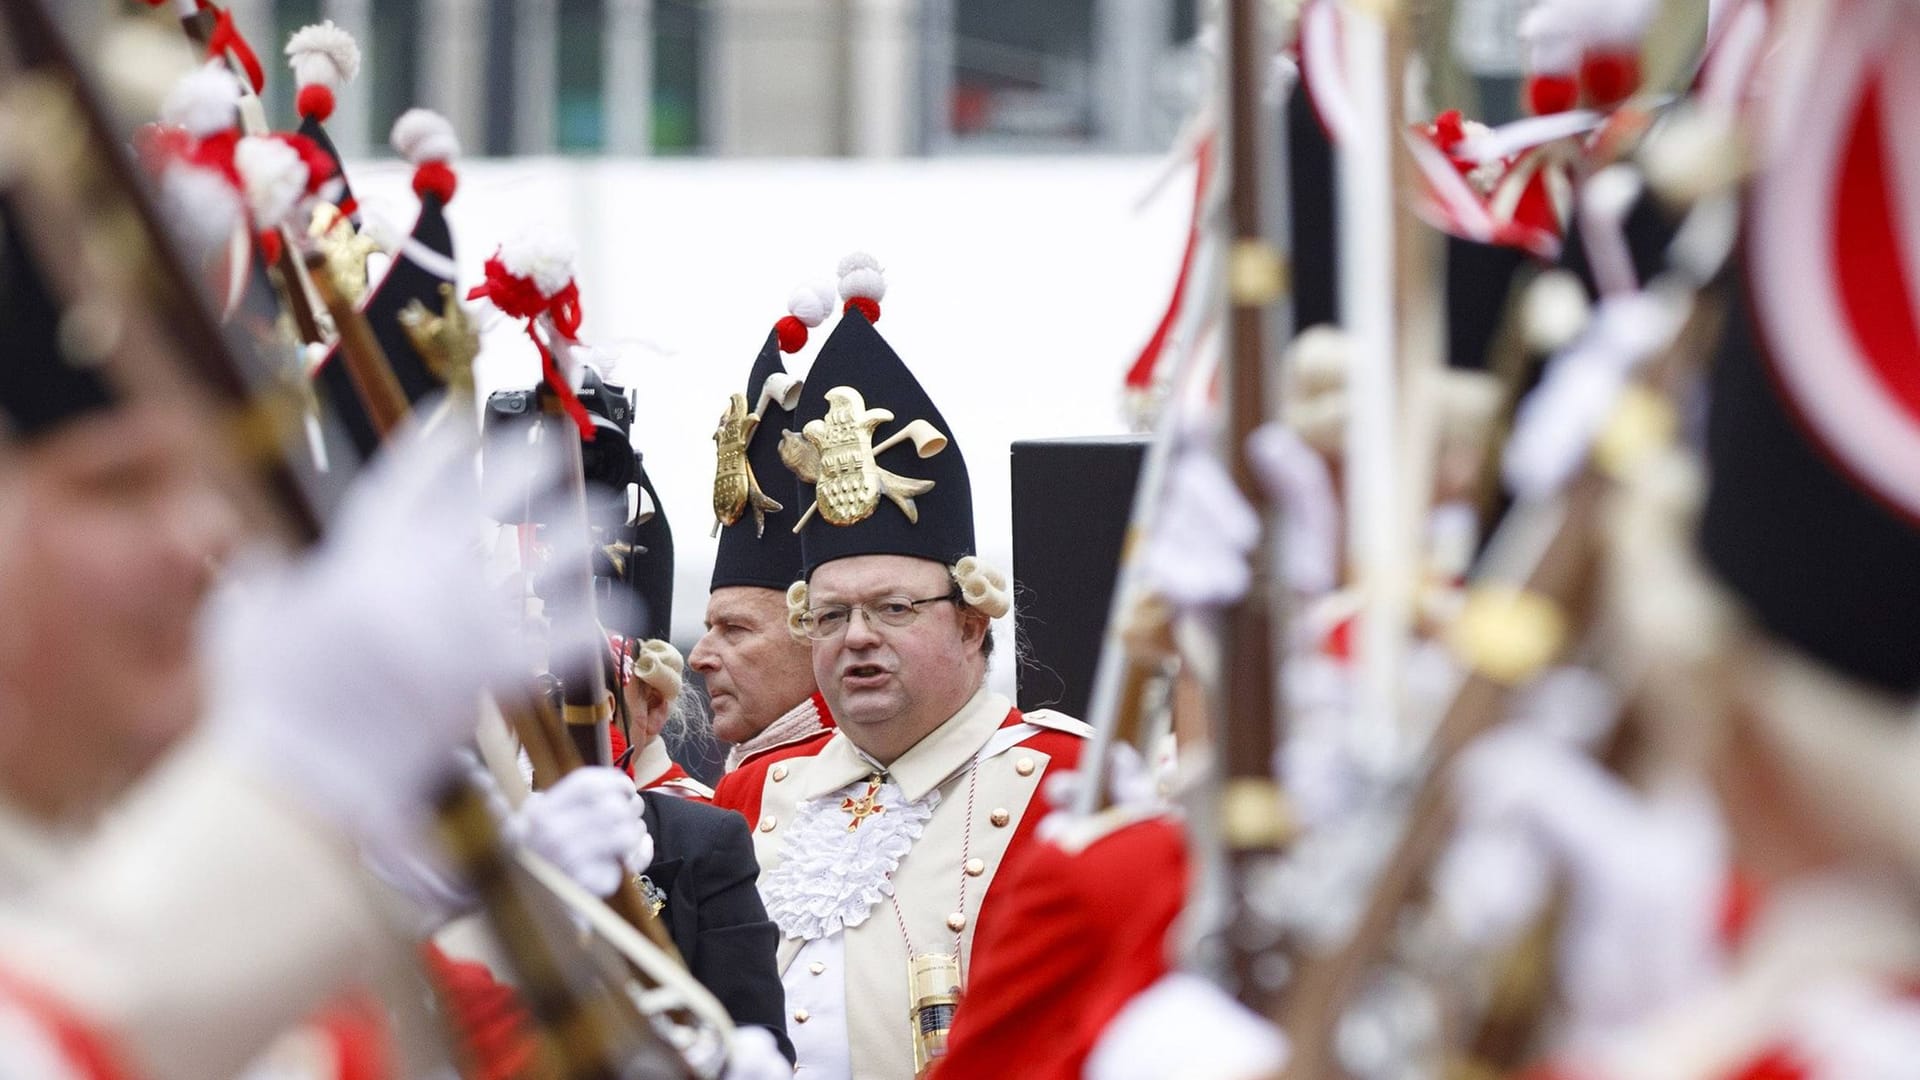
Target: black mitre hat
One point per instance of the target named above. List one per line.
(637, 600)
(422, 271)
(756, 512)
(922, 502)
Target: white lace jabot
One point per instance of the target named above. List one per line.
(829, 876)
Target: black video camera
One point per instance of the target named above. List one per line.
(611, 464)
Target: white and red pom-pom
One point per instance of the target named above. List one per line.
(807, 307)
(544, 259)
(1609, 76)
(206, 101)
(273, 178)
(324, 58)
(862, 284)
(427, 139)
(1549, 94)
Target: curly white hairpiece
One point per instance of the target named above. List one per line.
(797, 609)
(982, 586)
(660, 666)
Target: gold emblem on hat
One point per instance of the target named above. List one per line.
(837, 455)
(735, 488)
(345, 248)
(447, 342)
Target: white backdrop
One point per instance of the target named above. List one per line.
(1019, 290)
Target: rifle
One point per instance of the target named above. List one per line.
(1250, 810)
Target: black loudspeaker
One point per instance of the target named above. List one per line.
(1071, 499)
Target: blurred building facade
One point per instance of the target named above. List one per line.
(834, 78)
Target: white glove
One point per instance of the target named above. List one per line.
(755, 1056)
(349, 674)
(1185, 1026)
(1646, 873)
(1197, 554)
(589, 826)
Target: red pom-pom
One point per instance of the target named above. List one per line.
(270, 245)
(315, 101)
(792, 333)
(349, 206)
(435, 178)
(518, 297)
(1549, 94)
(865, 305)
(1448, 130)
(1609, 78)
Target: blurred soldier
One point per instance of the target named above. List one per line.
(758, 674)
(219, 905)
(880, 851)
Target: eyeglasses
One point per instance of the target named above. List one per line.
(830, 620)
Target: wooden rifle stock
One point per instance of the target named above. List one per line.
(367, 363)
(587, 704)
(1251, 812)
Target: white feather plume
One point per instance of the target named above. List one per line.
(546, 258)
(422, 135)
(272, 177)
(325, 54)
(205, 101)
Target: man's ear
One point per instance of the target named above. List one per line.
(973, 625)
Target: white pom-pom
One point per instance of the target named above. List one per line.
(205, 102)
(272, 176)
(1555, 311)
(422, 135)
(324, 54)
(810, 304)
(200, 205)
(546, 258)
(862, 277)
(856, 260)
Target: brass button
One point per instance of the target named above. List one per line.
(779, 773)
(1024, 766)
(800, 1016)
(999, 817)
(976, 867)
(767, 823)
(956, 922)
(816, 967)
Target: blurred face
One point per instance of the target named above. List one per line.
(108, 535)
(890, 686)
(755, 669)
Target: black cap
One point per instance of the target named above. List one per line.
(638, 603)
(39, 388)
(766, 558)
(860, 372)
(1818, 559)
